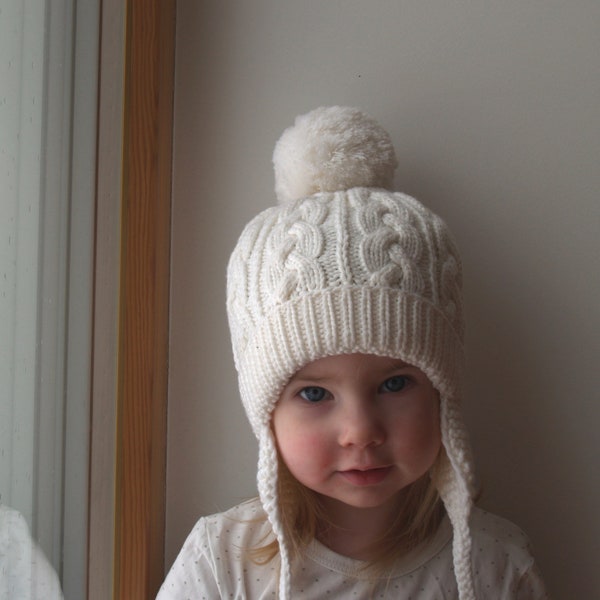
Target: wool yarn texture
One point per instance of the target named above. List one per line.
(346, 265)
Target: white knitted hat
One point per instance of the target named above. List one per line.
(344, 265)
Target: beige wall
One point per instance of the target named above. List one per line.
(493, 108)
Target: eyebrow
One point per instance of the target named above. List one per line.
(308, 378)
(400, 364)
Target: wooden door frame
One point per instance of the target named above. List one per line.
(131, 300)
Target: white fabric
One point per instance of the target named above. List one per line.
(210, 565)
(25, 573)
(330, 149)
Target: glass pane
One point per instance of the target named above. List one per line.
(48, 61)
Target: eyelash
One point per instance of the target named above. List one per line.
(325, 394)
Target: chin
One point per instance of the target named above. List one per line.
(365, 500)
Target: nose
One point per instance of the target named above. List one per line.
(360, 424)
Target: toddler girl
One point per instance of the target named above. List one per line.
(345, 311)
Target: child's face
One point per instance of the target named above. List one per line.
(358, 428)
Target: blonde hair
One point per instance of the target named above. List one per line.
(419, 516)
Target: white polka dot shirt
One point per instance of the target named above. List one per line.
(211, 565)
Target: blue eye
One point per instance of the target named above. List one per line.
(394, 384)
(313, 393)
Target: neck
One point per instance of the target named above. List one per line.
(353, 531)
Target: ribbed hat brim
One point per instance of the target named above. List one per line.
(346, 320)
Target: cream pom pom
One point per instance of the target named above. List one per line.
(331, 149)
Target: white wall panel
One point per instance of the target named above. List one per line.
(494, 111)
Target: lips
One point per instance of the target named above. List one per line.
(363, 477)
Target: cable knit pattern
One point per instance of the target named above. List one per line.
(294, 247)
(361, 270)
(390, 246)
(341, 273)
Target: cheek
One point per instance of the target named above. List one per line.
(301, 448)
(428, 442)
(418, 437)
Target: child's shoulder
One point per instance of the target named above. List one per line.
(491, 531)
(250, 510)
(499, 545)
(503, 559)
(211, 563)
(241, 525)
